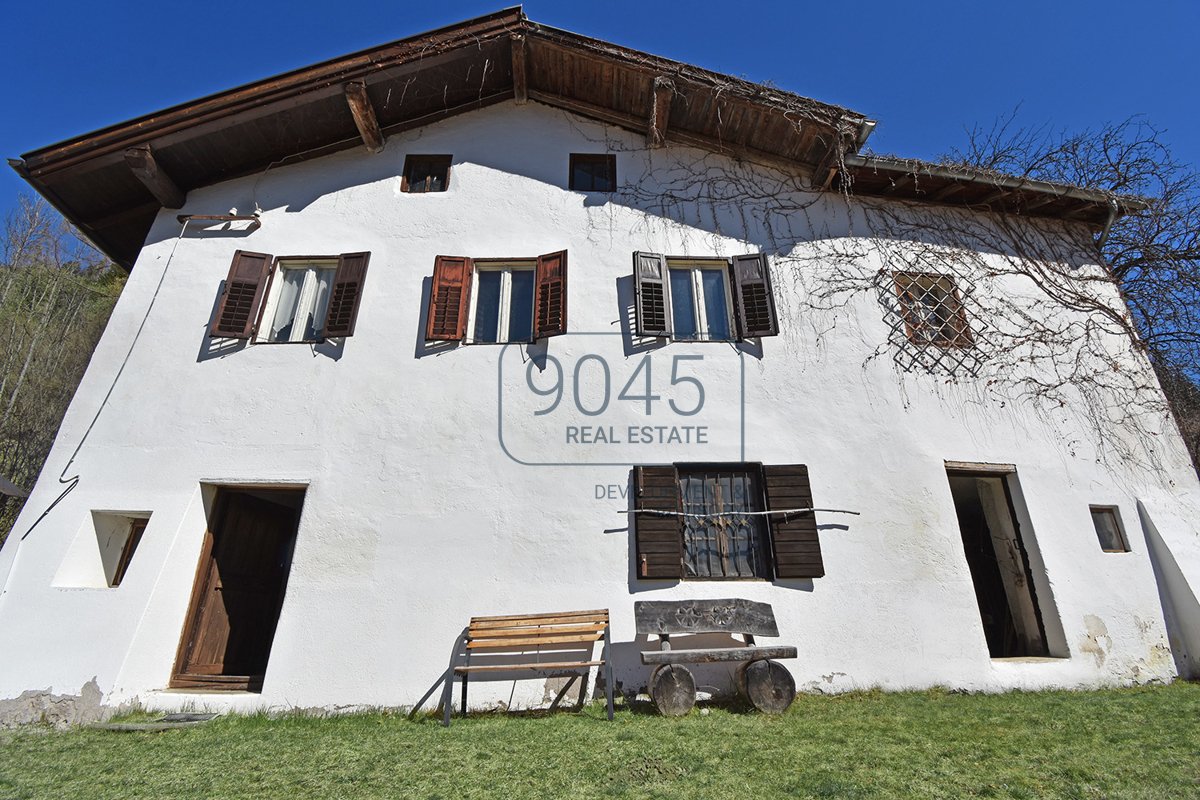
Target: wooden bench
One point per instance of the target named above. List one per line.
(768, 685)
(557, 644)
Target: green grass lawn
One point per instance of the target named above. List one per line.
(1142, 743)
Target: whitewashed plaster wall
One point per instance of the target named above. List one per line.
(416, 518)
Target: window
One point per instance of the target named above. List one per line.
(707, 521)
(496, 302)
(308, 299)
(705, 299)
(136, 529)
(1107, 521)
(424, 174)
(593, 172)
(298, 300)
(502, 307)
(932, 309)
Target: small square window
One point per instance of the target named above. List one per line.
(1107, 521)
(425, 174)
(502, 302)
(593, 172)
(298, 300)
(700, 301)
(933, 310)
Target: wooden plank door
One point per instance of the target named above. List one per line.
(238, 593)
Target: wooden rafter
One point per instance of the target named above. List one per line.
(999, 194)
(364, 115)
(520, 72)
(660, 111)
(899, 183)
(946, 191)
(146, 169)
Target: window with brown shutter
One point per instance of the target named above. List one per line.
(347, 292)
(709, 522)
(658, 535)
(238, 308)
(447, 318)
(551, 291)
(754, 300)
(703, 299)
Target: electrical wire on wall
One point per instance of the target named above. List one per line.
(71, 482)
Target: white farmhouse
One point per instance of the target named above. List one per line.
(502, 319)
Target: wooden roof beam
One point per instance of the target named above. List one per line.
(520, 71)
(999, 194)
(146, 169)
(364, 115)
(899, 183)
(660, 111)
(946, 191)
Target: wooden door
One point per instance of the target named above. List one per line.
(238, 594)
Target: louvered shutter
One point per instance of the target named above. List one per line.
(238, 309)
(551, 295)
(653, 294)
(754, 299)
(346, 294)
(449, 298)
(794, 536)
(659, 537)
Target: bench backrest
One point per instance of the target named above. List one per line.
(529, 631)
(704, 616)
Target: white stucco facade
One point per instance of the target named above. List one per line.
(434, 492)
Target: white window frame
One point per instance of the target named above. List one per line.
(308, 296)
(695, 266)
(506, 268)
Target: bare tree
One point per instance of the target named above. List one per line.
(56, 293)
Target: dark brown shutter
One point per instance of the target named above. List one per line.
(754, 300)
(346, 294)
(551, 293)
(794, 536)
(244, 286)
(449, 298)
(652, 287)
(659, 537)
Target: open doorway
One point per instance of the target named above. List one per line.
(239, 589)
(999, 564)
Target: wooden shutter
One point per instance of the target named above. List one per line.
(449, 298)
(244, 287)
(659, 537)
(550, 318)
(346, 294)
(754, 300)
(652, 287)
(794, 536)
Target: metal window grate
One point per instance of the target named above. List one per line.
(926, 314)
(728, 546)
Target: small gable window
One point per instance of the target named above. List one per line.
(290, 299)
(593, 172)
(424, 173)
(932, 309)
(704, 299)
(491, 301)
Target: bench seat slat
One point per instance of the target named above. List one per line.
(530, 641)
(489, 633)
(600, 614)
(704, 656)
(529, 667)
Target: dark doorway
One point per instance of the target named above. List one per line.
(999, 564)
(239, 589)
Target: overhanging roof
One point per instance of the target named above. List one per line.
(94, 179)
(111, 183)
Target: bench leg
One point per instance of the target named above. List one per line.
(608, 676)
(673, 690)
(466, 677)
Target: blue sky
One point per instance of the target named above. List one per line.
(925, 70)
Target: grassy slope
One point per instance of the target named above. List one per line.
(1142, 743)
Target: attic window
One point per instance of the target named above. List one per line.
(425, 174)
(593, 172)
(1107, 521)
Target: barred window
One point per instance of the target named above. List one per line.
(932, 309)
(733, 545)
